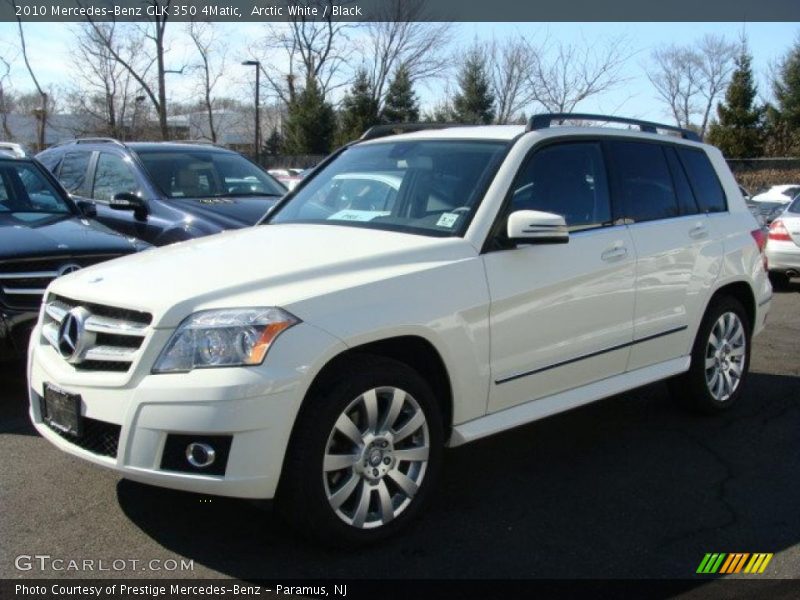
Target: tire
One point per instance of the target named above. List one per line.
(386, 479)
(716, 377)
(779, 280)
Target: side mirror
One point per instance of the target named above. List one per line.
(536, 227)
(128, 201)
(88, 208)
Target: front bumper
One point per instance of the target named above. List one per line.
(256, 407)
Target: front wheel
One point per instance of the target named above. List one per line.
(720, 360)
(364, 455)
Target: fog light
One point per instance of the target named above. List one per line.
(200, 455)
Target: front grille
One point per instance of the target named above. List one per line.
(98, 437)
(22, 282)
(110, 338)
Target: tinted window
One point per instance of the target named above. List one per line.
(706, 186)
(50, 160)
(23, 189)
(112, 176)
(643, 184)
(683, 190)
(73, 172)
(205, 174)
(567, 179)
(794, 207)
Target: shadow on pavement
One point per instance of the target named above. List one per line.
(628, 487)
(14, 399)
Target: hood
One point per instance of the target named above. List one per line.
(28, 235)
(227, 213)
(267, 265)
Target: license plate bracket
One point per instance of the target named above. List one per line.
(62, 410)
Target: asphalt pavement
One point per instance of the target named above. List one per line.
(630, 487)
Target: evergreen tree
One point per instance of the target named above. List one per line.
(738, 133)
(474, 102)
(784, 119)
(274, 143)
(359, 109)
(402, 105)
(311, 123)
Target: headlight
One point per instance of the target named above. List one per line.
(229, 337)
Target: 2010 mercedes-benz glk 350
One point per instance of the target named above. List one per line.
(415, 291)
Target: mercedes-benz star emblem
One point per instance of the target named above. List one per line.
(68, 268)
(72, 334)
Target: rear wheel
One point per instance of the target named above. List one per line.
(364, 455)
(720, 360)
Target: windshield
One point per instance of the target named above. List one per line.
(430, 187)
(207, 174)
(24, 189)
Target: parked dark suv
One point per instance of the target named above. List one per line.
(43, 235)
(164, 192)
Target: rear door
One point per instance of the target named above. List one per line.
(673, 242)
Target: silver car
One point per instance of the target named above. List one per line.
(783, 245)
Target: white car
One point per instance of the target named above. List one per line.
(12, 149)
(783, 245)
(778, 193)
(324, 360)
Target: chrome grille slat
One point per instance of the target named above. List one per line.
(56, 310)
(115, 326)
(111, 354)
(30, 275)
(24, 291)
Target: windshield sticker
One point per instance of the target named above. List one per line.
(358, 215)
(447, 220)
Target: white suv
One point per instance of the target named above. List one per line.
(464, 281)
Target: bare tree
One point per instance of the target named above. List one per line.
(6, 101)
(398, 36)
(509, 62)
(208, 46)
(314, 48)
(562, 75)
(41, 112)
(154, 32)
(689, 79)
(104, 87)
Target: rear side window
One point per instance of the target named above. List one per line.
(73, 172)
(566, 179)
(643, 183)
(707, 188)
(686, 201)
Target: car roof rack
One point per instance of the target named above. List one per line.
(98, 140)
(379, 131)
(543, 121)
(200, 142)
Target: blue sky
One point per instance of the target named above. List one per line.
(49, 48)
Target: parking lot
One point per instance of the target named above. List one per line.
(628, 487)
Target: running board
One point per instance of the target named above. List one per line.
(551, 405)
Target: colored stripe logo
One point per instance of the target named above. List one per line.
(736, 562)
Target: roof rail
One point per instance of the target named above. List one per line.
(543, 122)
(200, 142)
(98, 140)
(379, 131)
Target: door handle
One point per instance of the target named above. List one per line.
(614, 253)
(698, 231)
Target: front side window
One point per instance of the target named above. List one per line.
(73, 172)
(643, 184)
(112, 176)
(707, 188)
(206, 174)
(429, 187)
(24, 189)
(565, 179)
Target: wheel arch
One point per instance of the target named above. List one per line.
(740, 291)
